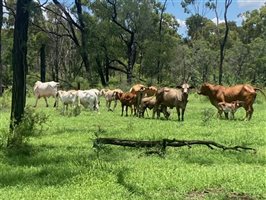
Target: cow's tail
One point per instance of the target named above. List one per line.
(258, 89)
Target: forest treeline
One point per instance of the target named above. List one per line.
(106, 42)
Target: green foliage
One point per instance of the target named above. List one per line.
(31, 125)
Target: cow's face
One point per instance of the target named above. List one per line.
(185, 88)
(204, 90)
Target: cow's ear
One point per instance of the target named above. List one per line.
(179, 86)
(191, 87)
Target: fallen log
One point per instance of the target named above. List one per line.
(162, 144)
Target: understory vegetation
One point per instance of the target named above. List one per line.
(61, 163)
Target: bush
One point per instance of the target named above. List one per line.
(31, 125)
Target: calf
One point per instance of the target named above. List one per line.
(68, 98)
(149, 102)
(127, 99)
(110, 95)
(45, 89)
(230, 107)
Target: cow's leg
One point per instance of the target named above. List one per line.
(249, 112)
(55, 102)
(122, 110)
(126, 110)
(37, 98)
(46, 101)
(226, 115)
(183, 112)
(108, 105)
(115, 104)
(178, 113)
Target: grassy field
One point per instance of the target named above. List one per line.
(62, 163)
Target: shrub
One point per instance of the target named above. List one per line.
(31, 125)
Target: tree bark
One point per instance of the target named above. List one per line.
(1, 64)
(19, 63)
(43, 64)
(223, 43)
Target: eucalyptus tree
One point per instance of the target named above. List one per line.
(19, 63)
(1, 65)
(132, 18)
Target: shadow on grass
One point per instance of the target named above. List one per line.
(131, 188)
(46, 165)
(220, 157)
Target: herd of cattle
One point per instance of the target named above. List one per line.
(140, 97)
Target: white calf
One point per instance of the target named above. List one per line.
(110, 95)
(45, 89)
(68, 98)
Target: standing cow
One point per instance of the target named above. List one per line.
(218, 93)
(171, 97)
(45, 89)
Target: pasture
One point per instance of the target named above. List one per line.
(63, 164)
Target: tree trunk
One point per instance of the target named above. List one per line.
(159, 67)
(19, 63)
(43, 64)
(223, 43)
(1, 66)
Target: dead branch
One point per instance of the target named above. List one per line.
(167, 142)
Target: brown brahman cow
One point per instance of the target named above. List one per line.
(127, 99)
(218, 93)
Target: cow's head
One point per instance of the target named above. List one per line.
(204, 89)
(185, 88)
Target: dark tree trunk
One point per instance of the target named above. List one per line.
(223, 43)
(131, 53)
(19, 63)
(56, 60)
(159, 67)
(100, 71)
(1, 66)
(43, 65)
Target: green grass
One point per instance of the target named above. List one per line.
(63, 165)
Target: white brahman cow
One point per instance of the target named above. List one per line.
(88, 98)
(45, 89)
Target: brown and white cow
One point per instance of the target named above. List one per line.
(45, 89)
(110, 95)
(230, 107)
(243, 92)
(172, 97)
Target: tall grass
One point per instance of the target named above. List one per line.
(64, 165)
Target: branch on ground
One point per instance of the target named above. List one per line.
(167, 142)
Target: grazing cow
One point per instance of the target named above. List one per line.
(149, 102)
(68, 98)
(127, 99)
(171, 97)
(110, 95)
(218, 93)
(230, 107)
(150, 91)
(45, 89)
(88, 99)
